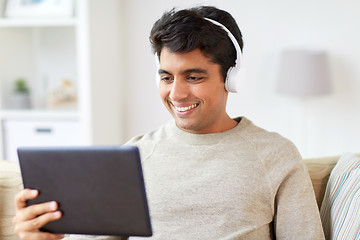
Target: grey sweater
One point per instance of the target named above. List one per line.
(245, 183)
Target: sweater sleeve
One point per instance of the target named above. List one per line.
(296, 212)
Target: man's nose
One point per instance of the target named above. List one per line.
(179, 89)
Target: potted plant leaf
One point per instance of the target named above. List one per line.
(20, 99)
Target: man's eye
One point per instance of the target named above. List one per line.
(192, 78)
(166, 79)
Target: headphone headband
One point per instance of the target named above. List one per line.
(232, 38)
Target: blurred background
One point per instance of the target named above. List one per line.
(86, 72)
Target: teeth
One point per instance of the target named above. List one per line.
(183, 109)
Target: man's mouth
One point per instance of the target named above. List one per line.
(187, 108)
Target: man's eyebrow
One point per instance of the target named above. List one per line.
(162, 71)
(187, 71)
(194, 70)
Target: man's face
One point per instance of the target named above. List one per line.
(192, 89)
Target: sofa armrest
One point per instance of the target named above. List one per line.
(10, 185)
(319, 170)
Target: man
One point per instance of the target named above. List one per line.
(208, 176)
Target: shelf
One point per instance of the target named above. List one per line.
(9, 22)
(39, 114)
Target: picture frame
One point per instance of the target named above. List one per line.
(39, 8)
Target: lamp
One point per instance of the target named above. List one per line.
(303, 74)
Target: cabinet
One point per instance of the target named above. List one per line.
(39, 133)
(67, 86)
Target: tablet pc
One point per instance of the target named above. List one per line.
(100, 190)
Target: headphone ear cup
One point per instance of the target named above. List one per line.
(233, 79)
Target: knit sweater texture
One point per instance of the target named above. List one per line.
(244, 183)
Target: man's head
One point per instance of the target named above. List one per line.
(195, 55)
(186, 30)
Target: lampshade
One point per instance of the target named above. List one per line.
(304, 73)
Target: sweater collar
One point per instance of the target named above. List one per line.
(202, 139)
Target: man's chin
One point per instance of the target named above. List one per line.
(184, 125)
(187, 126)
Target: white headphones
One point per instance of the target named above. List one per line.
(234, 75)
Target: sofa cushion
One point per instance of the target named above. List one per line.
(10, 184)
(340, 210)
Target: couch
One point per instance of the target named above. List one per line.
(10, 183)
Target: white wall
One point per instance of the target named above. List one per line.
(329, 124)
(107, 63)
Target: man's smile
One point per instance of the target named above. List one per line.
(182, 108)
(186, 108)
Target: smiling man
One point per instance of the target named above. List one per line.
(208, 176)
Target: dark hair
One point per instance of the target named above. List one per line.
(186, 30)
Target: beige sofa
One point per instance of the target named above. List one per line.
(10, 184)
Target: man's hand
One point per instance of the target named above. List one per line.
(29, 219)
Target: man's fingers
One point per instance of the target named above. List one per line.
(25, 229)
(23, 196)
(29, 219)
(33, 211)
(37, 223)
